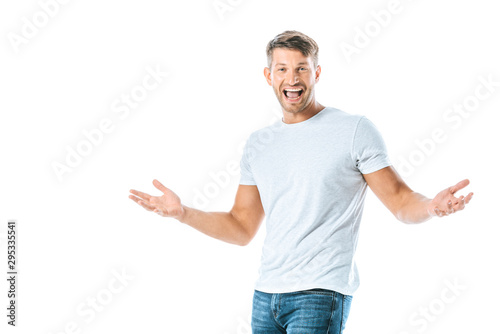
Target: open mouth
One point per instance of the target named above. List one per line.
(293, 94)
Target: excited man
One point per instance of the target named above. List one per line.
(308, 174)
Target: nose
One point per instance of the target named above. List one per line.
(292, 78)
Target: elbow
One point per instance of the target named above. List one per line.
(399, 216)
(402, 218)
(397, 212)
(401, 213)
(245, 237)
(241, 235)
(244, 241)
(405, 219)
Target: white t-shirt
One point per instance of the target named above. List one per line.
(309, 176)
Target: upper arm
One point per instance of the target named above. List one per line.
(389, 187)
(247, 209)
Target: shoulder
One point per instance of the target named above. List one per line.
(262, 134)
(342, 120)
(365, 125)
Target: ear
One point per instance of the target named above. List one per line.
(267, 74)
(318, 72)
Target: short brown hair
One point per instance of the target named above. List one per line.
(294, 40)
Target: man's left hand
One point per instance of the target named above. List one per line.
(445, 203)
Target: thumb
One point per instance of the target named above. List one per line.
(460, 185)
(160, 186)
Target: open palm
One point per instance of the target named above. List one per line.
(167, 205)
(446, 203)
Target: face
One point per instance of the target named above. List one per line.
(292, 76)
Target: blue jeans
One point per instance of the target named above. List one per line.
(312, 311)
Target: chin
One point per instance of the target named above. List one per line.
(293, 109)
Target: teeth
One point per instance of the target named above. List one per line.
(293, 90)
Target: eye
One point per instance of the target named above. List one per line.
(303, 68)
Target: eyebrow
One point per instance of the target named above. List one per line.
(301, 63)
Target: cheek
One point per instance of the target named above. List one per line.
(310, 81)
(278, 77)
(276, 85)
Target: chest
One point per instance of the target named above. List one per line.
(303, 157)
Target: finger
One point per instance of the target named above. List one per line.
(140, 194)
(450, 208)
(460, 185)
(438, 212)
(468, 198)
(444, 212)
(134, 198)
(159, 186)
(158, 212)
(141, 202)
(147, 206)
(461, 203)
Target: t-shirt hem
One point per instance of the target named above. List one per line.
(247, 183)
(376, 167)
(344, 291)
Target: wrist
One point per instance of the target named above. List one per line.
(430, 209)
(182, 216)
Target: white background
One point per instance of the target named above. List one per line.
(75, 232)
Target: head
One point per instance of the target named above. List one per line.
(293, 70)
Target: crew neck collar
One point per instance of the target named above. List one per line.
(303, 122)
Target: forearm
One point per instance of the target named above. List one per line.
(415, 209)
(219, 225)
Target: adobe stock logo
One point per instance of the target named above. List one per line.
(122, 106)
(88, 311)
(222, 178)
(223, 6)
(363, 37)
(40, 19)
(421, 319)
(453, 117)
(244, 326)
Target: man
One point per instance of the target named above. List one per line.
(308, 174)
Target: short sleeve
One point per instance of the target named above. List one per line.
(246, 177)
(369, 151)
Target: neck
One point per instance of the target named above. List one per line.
(295, 117)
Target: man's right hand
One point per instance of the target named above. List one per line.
(238, 226)
(167, 205)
